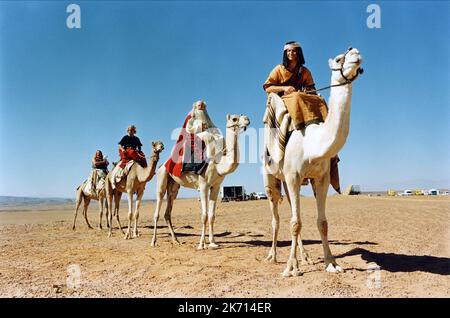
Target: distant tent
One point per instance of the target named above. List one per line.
(352, 190)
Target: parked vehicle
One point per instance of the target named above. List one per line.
(261, 196)
(433, 192)
(406, 193)
(233, 193)
(391, 193)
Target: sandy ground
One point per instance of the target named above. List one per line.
(407, 237)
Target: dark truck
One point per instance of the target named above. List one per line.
(233, 193)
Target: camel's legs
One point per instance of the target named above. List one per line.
(136, 213)
(273, 190)
(117, 197)
(110, 212)
(130, 214)
(293, 181)
(321, 187)
(77, 206)
(212, 214)
(161, 188)
(87, 200)
(107, 212)
(304, 256)
(204, 191)
(100, 204)
(172, 192)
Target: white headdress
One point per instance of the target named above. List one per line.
(201, 114)
(291, 46)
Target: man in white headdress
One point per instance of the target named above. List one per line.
(201, 124)
(199, 142)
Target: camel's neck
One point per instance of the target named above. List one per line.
(334, 131)
(230, 161)
(146, 174)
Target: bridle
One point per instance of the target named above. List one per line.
(341, 70)
(236, 125)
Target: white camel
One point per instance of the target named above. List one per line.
(208, 183)
(308, 154)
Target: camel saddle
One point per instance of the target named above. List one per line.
(118, 173)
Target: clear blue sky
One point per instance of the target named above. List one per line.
(66, 92)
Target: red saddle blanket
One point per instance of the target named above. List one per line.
(132, 154)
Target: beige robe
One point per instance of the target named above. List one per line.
(304, 109)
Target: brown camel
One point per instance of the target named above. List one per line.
(82, 196)
(133, 183)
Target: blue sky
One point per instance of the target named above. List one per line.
(66, 92)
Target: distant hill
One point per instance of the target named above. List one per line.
(16, 201)
(11, 201)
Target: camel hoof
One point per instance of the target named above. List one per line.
(213, 245)
(290, 273)
(334, 268)
(271, 259)
(99, 228)
(109, 234)
(73, 228)
(176, 242)
(292, 269)
(127, 236)
(153, 244)
(306, 259)
(201, 247)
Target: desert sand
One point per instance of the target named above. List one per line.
(407, 237)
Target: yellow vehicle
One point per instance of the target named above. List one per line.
(391, 193)
(418, 192)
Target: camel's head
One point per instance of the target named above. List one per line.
(237, 122)
(157, 146)
(346, 66)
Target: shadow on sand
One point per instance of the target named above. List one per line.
(403, 263)
(305, 242)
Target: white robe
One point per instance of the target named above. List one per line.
(212, 137)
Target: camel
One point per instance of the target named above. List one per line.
(307, 155)
(81, 196)
(207, 183)
(133, 183)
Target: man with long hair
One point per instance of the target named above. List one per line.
(293, 82)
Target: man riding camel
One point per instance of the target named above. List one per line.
(291, 80)
(99, 162)
(197, 135)
(130, 148)
(97, 176)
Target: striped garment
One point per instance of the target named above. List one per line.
(277, 124)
